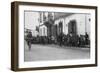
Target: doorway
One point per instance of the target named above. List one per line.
(72, 27)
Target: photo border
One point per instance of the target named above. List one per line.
(15, 34)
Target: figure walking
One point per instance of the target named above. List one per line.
(29, 39)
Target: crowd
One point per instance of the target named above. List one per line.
(61, 40)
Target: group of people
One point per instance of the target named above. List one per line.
(73, 40)
(66, 40)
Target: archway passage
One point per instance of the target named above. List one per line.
(72, 27)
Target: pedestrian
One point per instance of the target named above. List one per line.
(60, 39)
(29, 39)
(86, 38)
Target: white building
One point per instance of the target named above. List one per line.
(42, 30)
(79, 22)
(45, 22)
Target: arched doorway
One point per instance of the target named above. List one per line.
(72, 28)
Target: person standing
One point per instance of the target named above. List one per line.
(29, 39)
(60, 39)
(86, 38)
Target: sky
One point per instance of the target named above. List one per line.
(31, 19)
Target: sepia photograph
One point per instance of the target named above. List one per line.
(56, 36)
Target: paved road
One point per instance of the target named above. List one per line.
(54, 52)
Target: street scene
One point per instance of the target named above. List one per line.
(55, 52)
(56, 36)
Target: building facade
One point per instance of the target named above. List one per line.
(42, 30)
(75, 23)
(51, 24)
(46, 23)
